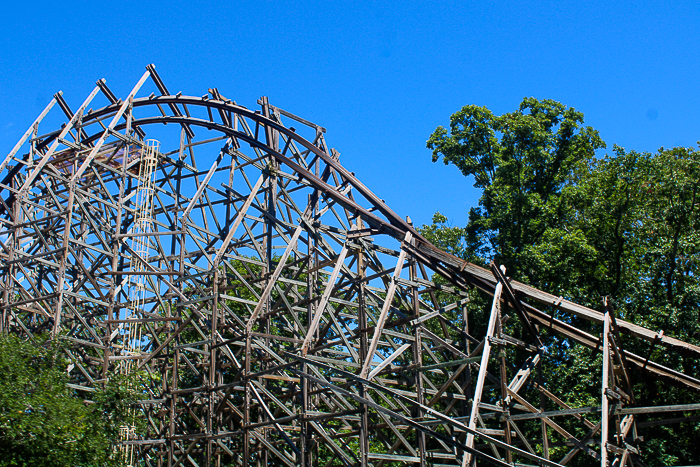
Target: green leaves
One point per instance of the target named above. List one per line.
(625, 225)
(443, 235)
(522, 161)
(471, 142)
(43, 421)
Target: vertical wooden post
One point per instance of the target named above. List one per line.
(504, 391)
(311, 261)
(115, 248)
(379, 326)
(212, 363)
(60, 287)
(362, 323)
(272, 140)
(12, 239)
(495, 307)
(181, 240)
(417, 353)
(543, 408)
(246, 408)
(604, 396)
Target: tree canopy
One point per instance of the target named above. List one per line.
(45, 422)
(522, 161)
(623, 225)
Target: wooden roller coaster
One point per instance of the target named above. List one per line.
(274, 311)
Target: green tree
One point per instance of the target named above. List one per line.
(560, 219)
(45, 422)
(522, 161)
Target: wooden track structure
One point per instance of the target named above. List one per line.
(287, 316)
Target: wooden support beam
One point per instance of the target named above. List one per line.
(481, 379)
(604, 390)
(379, 327)
(278, 345)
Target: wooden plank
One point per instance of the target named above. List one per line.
(510, 294)
(439, 366)
(392, 457)
(481, 379)
(32, 176)
(324, 300)
(125, 105)
(604, 396)
(29, 131)
(273, 279)
(485, 279)
(568, 436)
(388, 360)
(239, 219)
(385, 309)
(427, 410)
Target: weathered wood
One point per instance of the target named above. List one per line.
(495, 310)
(604, 396)
(219, 262)
(387, 361)
(385, 309)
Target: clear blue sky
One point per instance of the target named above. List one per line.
(380, 76)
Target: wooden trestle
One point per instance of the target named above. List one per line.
(289, 316)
